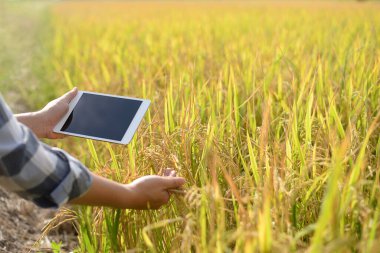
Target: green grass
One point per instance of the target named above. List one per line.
(270, 111)
(24, 29)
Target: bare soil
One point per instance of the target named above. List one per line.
(21, 227)
(20, 223)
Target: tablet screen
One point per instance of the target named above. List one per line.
(101, 116)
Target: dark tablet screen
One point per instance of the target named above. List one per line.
(101, 116)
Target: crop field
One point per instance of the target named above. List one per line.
(270, 110)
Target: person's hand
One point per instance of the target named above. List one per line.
(43, 122)
(151, 192)
(52, 113)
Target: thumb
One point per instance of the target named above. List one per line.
(173, 182)
(67, 97)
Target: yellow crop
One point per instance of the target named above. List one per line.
(270, 110)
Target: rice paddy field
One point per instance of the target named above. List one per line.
(270, 110)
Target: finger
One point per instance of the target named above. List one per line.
(69, 95)
(173, 182)
(57, 136)
(177, 191)
(167, 172)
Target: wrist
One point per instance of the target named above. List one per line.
(33, 120)
(118, 196)
(129, 198)
(41, 123)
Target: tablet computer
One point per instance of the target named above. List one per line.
(103, 117)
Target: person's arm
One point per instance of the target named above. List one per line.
(149, 192)
(43, 121)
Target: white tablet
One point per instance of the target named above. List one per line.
(103, 117)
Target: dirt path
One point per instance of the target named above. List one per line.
(21, 221)
(21, 227)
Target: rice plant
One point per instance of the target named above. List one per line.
(270, 110)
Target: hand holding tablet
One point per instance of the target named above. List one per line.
(103, 117)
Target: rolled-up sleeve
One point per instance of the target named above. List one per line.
(45, 175)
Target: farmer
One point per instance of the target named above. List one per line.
(50, 177)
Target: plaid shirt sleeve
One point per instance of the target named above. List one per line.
(47, 176)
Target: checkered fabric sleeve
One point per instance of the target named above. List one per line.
(45, 175)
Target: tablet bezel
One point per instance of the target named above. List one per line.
(128, 135)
